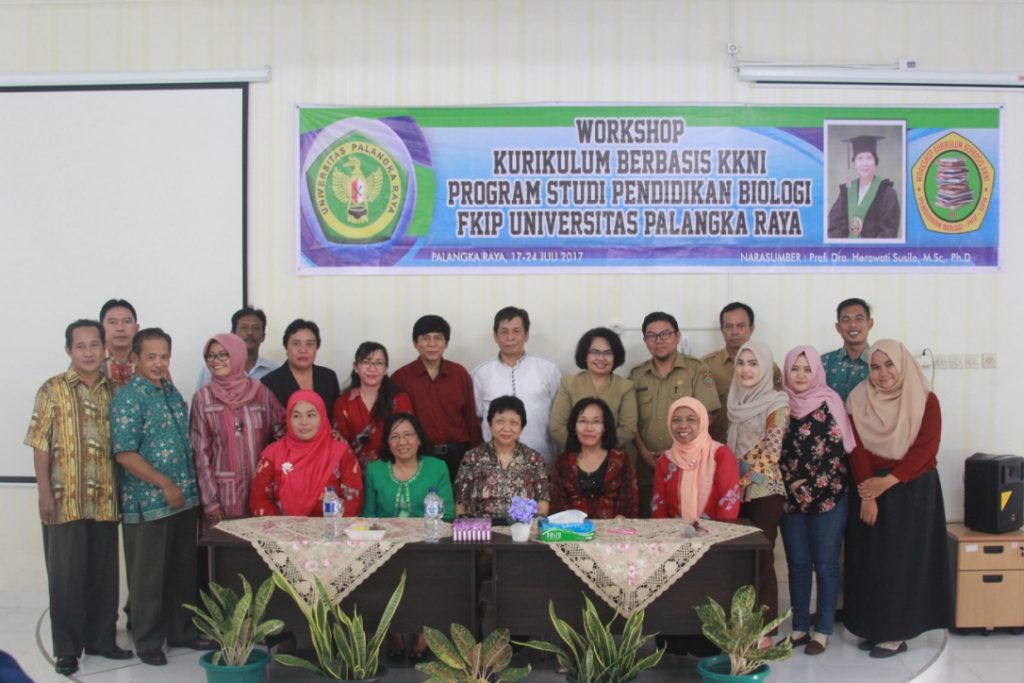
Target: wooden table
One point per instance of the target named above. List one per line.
(443, 584)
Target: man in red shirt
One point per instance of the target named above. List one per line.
(441, 393)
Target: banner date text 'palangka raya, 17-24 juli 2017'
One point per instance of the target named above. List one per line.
(673, 188)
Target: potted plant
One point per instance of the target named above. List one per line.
(462, 659)
(597, 655)
(340, 642)
(235, 624)
(738, 635)
(520, 514)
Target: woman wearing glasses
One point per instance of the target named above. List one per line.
(598, 353)
(591, 474)
(360, 412)
(232, 420)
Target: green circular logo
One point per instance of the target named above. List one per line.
(952, 186)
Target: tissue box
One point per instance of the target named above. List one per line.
(467, 529)
(557, 533)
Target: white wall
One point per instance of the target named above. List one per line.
(447, 52)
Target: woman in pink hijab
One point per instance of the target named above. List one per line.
(697, 477)
(232, 420)
(813, 465)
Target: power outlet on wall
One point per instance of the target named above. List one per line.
(942, 362)
(956, 361)
(988, 361)
(972, 361)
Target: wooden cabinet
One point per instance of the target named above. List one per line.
(988, 575)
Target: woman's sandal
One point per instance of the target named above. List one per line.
(396, 646)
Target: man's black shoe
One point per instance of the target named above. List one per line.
(198, 643)
(112, 652)
(66, 666)
(154, 657)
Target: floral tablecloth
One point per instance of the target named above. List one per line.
(631, 562)
(296, 547)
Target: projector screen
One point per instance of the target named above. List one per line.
(134, 193)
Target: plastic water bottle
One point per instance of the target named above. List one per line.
(433, 512)
(332, 514)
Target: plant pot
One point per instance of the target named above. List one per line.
(717, 668)
(521, 532)
(253, 671)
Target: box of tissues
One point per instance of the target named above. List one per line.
(571, 525)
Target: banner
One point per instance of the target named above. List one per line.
(667, 188)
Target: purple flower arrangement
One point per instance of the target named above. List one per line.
(522, 510)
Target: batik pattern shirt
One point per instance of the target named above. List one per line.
(843, 373)
(70, 422)
(485, 489)
(153, 421)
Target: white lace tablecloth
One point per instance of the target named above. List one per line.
(629, 570)
(296, 547)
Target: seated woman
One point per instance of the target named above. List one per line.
(397, 483)
(293, 473)
(301, 343)
(897, 568)
(698, 477)
(591, 475)
(232, 420)
(813, 465)
(758, 419)
(495, 471)
(598, 353)
(360, 412)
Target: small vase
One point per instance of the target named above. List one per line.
(521, 532)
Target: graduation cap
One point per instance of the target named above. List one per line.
(864, 143)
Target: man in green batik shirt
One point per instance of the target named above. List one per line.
(849, 365)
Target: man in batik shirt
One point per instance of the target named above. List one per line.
(70, 437)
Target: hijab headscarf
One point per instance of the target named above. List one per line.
(749, 407)
(801, 403)
(888, 420)
(306, 466)
(237, 389)
(695, 460)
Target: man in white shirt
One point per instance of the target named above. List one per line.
(514, 372)
(251, 325)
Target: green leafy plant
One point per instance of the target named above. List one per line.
(340, 642)
(597, 655)
(233, 621)
(739, 633)
(464, 660)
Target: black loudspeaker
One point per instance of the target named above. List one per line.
(993, 493)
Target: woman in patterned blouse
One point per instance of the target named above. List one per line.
(591, 475)
(697, 477)
(813, 467)
(758, 417)
(493, 472)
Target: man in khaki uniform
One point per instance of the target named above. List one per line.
(736, 321)
(669, 375)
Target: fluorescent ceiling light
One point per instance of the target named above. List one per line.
(32, 80)
(814, 75)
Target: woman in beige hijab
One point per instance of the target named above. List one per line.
(897, 569)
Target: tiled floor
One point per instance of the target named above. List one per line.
(25, 634)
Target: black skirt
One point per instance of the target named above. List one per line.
(898, 582)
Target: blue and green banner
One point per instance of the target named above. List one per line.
(627, 188)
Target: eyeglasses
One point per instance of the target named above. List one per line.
(663, 336)
(608, 353)
(395, 437)
(589, 423)
(375, 364)
(221, 356)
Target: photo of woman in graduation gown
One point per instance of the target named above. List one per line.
(897, 568)
(868, 206)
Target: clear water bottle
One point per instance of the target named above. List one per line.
(433, 512)
(332, 514)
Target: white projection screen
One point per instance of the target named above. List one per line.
(134, 192)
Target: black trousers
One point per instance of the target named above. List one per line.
(81, 568)
(161, 578)
(765, 513)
